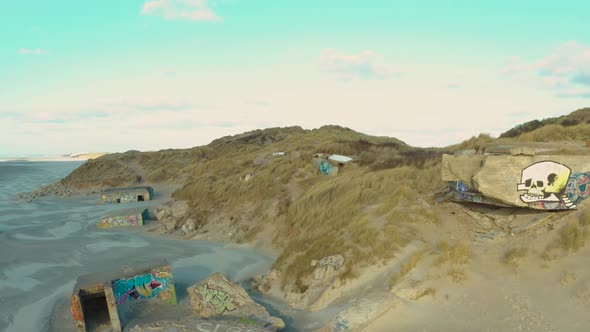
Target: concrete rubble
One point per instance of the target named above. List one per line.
(218, 296)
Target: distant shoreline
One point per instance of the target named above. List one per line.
(78, 157)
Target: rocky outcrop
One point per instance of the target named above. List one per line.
(188, 227)
(327, 267)
(362, 311)
(56, 189)
(218, 296)
(325, 279)
(171, 215)
(264, 283)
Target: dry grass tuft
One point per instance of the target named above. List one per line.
(428, 291)
(408, 266)
(457, 254)
(513, 257)
(573, 237)
(585, 218)
(454, 256)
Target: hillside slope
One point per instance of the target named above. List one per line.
(236, 182)
(238, 191)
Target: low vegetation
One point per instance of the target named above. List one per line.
(572, 237)
(453, 256)
(575, 125)
(585, 218)
(408, 266)
(512, 257)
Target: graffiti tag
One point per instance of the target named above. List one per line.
(341, 325)
(220, 300)
(143, 286)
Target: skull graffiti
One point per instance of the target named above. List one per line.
(543, 182)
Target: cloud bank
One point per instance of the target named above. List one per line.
(566, 70)
(364, 65)
(187, 10)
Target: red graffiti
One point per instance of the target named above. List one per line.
(76, 309)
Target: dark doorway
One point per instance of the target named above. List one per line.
(96, 312)
(118, 200)
(140, 198)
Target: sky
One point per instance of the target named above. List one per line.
(112, 75)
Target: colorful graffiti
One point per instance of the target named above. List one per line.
(578, 188)
(133, 220)
(550, 185)
(326, 168)
(460, 186)
(144, 286)
(220, 300)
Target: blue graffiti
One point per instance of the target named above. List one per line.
(326, 168)
(143, 286)
(578, 187)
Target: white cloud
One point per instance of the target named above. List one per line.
(31, 51)
(364, 65)
(190, 10)
(566, 70)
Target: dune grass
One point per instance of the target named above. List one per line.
(572, 237)
(453, 257)
(512, 257)
(405, 268)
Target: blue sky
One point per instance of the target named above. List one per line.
(97, 75)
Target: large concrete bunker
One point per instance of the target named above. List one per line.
(96, 297)
(127, 195)
(531, 176)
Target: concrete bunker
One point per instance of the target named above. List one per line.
(96, 297)
(124, 218)
(531, 176)
(330, 164)
(127, 195)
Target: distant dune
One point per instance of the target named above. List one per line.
(86, 156)
(71, 157)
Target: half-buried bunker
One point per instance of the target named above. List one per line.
(127, 195)
(96, 297)
(124, 218)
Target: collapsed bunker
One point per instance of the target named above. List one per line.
(96, 298)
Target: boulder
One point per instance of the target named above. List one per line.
(188, 227)
(322, 286)
(162, 214)
(218, 296)
(179, 209)
(264, 283)
(170, 224)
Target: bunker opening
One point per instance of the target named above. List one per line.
(96, 312)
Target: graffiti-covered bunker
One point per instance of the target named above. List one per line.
(127, 195)
(527, 178)
(330, 164)
(97, 297)
(124, 218)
